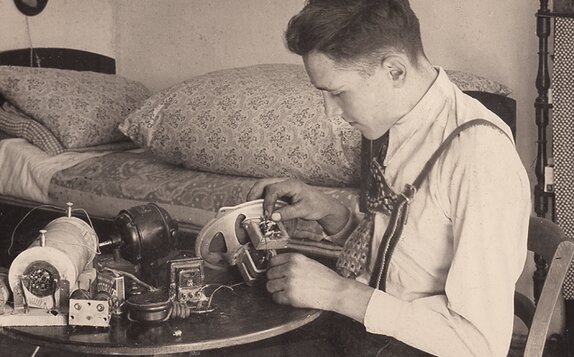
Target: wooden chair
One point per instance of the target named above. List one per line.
(547, 239)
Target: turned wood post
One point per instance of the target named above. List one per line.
(542, 106)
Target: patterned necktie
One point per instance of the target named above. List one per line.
(380, 198)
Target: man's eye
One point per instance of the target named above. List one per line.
(336, 93)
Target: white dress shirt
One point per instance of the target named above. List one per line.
(452, 275)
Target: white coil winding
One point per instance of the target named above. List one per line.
(70, 246)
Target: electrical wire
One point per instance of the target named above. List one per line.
(131, 276)
(91, 225)
(35, 351)
(24, 218)
(33, 54)
(95, 250)
(182, 310)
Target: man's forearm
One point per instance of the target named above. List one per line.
(352, 299)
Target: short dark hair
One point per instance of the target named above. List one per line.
(350, 31)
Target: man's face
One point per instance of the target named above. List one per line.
(365, 101)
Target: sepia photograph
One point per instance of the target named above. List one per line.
(286, 178)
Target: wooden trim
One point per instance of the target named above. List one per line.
(551, 292)
(62, 58)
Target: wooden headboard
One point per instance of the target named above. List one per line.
(63, 58)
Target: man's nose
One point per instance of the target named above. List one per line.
(331, 107)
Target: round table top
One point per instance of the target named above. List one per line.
(242, 315)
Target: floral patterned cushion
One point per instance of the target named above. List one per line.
(259, 121)
(80, 108)
(472, 82)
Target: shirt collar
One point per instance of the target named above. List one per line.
(428, 108)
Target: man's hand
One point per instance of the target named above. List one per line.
(299, 281)
(296, 280)
(305, 202)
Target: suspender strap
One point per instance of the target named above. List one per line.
(400, 212)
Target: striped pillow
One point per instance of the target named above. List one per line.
(18, 124)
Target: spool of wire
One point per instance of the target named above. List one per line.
(63, 250)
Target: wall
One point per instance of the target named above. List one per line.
(165, 42)
(492, 38)
(80, 24)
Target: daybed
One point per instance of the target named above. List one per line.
(106, 143)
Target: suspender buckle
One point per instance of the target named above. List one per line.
(409, 193)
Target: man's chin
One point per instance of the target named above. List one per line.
(367, 134)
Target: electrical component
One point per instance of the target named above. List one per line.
(266, 234)
(4, 292)
(186, 280)
(111, 287)
(40, 276)
(87, 312)
(253, 263)
(149, 307)
(144, 234)
(240, 236)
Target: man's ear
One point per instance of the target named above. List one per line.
(395, 67)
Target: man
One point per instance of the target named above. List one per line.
(451, 278)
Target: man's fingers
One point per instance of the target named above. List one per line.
(284, 258)
(317, 237)
(288, 212)
(259, 187)
(275, 285)
(275, 191)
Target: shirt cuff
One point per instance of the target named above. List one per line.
(341, 237)
(383, 313)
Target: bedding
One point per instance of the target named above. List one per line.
(204, 143)
(18, 124)
(80, 108)
(32, 168)
(258, 121)
(103, 183)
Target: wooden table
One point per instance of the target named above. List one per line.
(246, 314)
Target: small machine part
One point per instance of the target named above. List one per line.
(116, 262)
(266, 234)
(62, 255)
(146, 233)
(149, 307)
(240, 236)
(186, 280)
(111, 287)
(4, 292)
(39, 292)
(88, 312)
(253, 263)
(40, 283)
